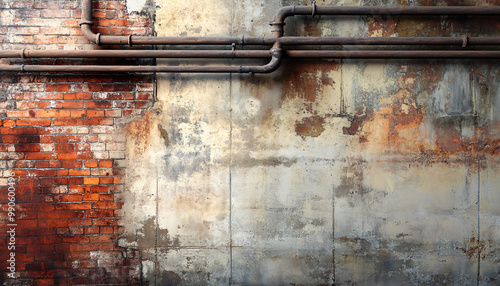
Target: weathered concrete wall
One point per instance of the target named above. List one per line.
(348, 172)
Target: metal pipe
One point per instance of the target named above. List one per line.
(276, 58)
(390, 40)
(394, 54)
(279, 19)
(87, 22)
(277, 55)
(135, 54)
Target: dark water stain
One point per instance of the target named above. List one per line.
(168, 278)
(164, 135)
(268, 162)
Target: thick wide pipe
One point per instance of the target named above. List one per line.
(274, 64)
(134, 54)
(87, 23)
(386, 54)
(287, 11)
(462, 41)
(276, 54)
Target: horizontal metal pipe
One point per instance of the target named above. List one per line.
(134, 54)
(287, 11)
(271, 66)
(394, 54)
(276, 54)
(144, 40)
(87, 23)
(390, 41)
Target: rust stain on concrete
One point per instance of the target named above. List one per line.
(138, 131)
(306, 80)
(310, 126)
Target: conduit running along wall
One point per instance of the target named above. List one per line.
(277, 41)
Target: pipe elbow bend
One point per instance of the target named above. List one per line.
(282, 14)
(88, 33)
(273, 65)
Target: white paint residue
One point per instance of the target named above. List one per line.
(135, 5)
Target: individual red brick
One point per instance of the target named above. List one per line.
(39, 156)
(91, 197)
(104, 238)
(91, 163)
(77, 113)
(106, 230)
(18, 113)
(91, 121)
(67, 156)
(27, 147)
(9, 123)
(67, 121)
(82, 155)
(75, 239)
(98, 104)
(70, 104)
(47, 113)
(91, 230)
(107, 205)
(70, 96)
(74, 206)
(106, 163)
(106, 197)
(69, 198)
(106, 121)
(84, 95)
(91, 181)
(107, 180)
(33, 122)
(99, 189)
(63, 87)
(99, 214)
(61, 173)
(79, 172)
(90, 247)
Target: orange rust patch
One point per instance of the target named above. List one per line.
(306, 79)
(475, 249)
(139, 131)
(310, 126)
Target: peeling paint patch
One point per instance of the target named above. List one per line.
(135, 5)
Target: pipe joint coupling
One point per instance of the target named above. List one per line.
(87, 23)
(98, 39)
(276, 52)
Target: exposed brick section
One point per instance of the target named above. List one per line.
(61, 136)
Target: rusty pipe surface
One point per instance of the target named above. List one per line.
(462, 41)
(87, 22)
(278, 21)
(393, 54)
(277, 56)
(135, 54)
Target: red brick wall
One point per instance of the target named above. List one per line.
(60, 139)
